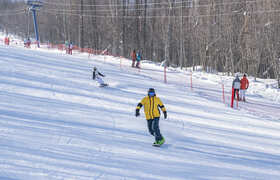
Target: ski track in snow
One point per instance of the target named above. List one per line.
(57, 124)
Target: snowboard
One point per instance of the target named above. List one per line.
(104, 85)
(157, 145)
(161, 143)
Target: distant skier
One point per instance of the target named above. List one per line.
(243, 87)
(133, 57)
(138, 59)
(7, 41)
(236, 86)
(151, 105)
(96, 76)
(27, 43)
(66, 47)
(70, 48)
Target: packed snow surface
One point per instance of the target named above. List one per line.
(56, 123)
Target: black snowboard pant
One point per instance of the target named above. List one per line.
(153, 126)
(236, 91)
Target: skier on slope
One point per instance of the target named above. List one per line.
(96, 76)
(151, 105)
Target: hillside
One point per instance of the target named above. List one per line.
(56, 123)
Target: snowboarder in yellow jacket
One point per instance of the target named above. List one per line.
(151, 105)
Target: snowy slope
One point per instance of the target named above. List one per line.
(55, 123)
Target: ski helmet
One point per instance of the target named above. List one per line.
(151, 92)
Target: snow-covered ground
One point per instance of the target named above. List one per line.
(56, 123)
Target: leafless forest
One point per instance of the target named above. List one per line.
(220, 35)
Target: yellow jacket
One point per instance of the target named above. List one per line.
(151, 107)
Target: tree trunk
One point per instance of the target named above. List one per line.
(181, 37)
(123, 50)
(168, 37)
(81, 25)
(145, 30)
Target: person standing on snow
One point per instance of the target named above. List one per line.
(96, 76)
(151, 105)
(243, 87)
(138, 59)
(70, 48)
(67, 47)
(236, 86)
(133, 57)
(27, 43)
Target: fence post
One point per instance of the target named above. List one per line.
(232, 97)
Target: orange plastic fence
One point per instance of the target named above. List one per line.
(62, 47)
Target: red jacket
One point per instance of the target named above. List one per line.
(133, 56)
(244, 83)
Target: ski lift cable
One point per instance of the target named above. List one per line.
(164, 16)
(109, 10)
(12, 14)
(115, 5)
(11, 11)
(161, 3)
(138, 9)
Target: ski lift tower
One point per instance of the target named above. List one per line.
(34, 6)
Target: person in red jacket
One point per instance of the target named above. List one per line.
(7, 41)
(244, 84)
(133, 57)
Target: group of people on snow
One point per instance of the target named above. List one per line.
(27, 43)
(68, 47)
(136, 57)
(153, 104)
(240, 85)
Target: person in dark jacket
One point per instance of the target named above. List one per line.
(152, 104)
(96, 76)
(138, 59)
(236, 86)
(70, 48)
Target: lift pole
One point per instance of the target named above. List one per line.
(34, 6)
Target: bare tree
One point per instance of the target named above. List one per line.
(219, 35)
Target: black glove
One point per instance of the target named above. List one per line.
(137, 112)
(165, 114)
